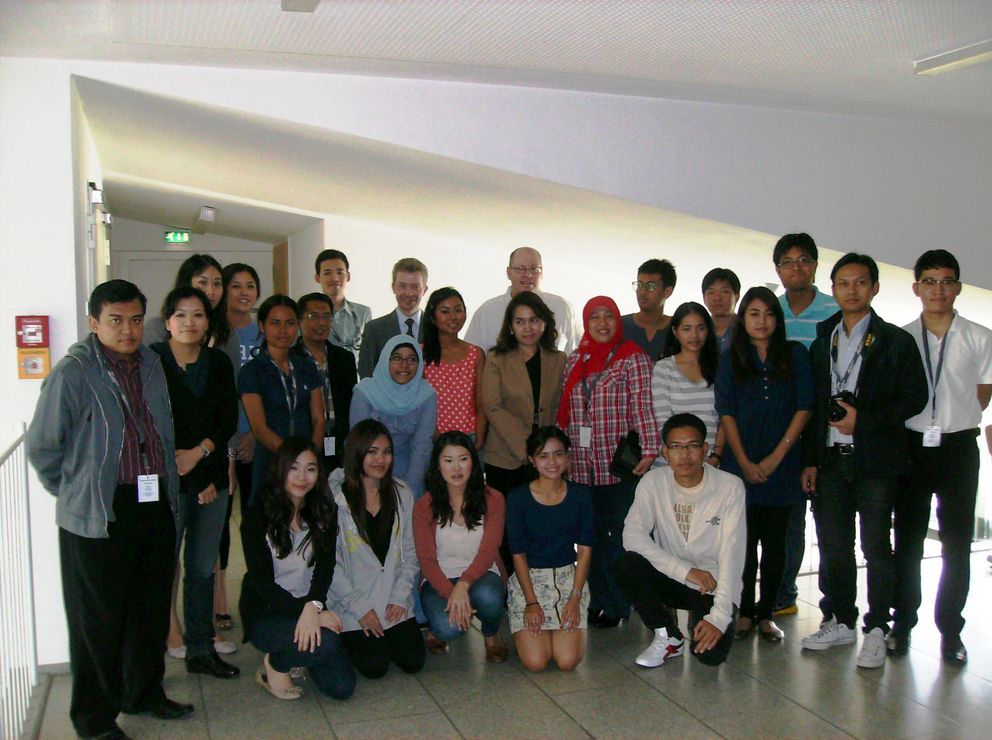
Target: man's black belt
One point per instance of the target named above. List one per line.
(842, 449)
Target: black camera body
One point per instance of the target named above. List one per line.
(836, 412)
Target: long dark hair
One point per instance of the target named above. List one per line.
(227, 275)
(318, 510)
(432, 343)
(709, 355)
(273, 301)
(194, 266)
(506, 342)
(474, 504)
(356, 447)
(779, 356)
(182, 292)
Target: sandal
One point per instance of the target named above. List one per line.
(290, 694)
(743, 632)
(223, 621)
(770, 631)
(434, 645)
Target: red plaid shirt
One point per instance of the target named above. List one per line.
(621, 401)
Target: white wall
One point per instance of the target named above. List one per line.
(139, 254)
(303, 247)
(892, 188)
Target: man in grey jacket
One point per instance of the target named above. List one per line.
(102, 443)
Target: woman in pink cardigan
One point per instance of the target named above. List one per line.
(457, 529)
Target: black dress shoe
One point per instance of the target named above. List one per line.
(897, 642)
(952, 650)
(212, 665)
(602, 619)
(168, 709)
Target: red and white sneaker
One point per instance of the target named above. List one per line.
(662, 649)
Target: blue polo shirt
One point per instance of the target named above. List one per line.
(802, 328)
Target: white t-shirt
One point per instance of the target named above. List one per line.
(457, 546)
(488, 318)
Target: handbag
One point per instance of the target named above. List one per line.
(626, 457)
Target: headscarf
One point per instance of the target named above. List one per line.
(594, 357)
(385, 394)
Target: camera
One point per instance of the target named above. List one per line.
(836, 412)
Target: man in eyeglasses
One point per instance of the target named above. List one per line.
(647, 328)
(685, 538)
(957, 355)
(524, 272)
(795, 257)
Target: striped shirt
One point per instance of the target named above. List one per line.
(674, 393)
(802, 328)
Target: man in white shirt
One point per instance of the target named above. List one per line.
(957, 355)
(524, 272)
(332, 271)
(409, 287)
(685, 538)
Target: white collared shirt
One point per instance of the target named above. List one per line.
(487, 320)
(402, 317)
(967, 364)
(848, 345)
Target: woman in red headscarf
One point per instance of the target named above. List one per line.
(607, 394)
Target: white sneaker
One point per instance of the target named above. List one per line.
(662, 649)
(872, 653)
(830, 634)
(225, 647)
(178, 653)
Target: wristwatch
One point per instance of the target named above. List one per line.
(319, 605)
(205, 451)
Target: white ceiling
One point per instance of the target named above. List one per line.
(839, 55)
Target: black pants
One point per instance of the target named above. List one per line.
(655, 595)
(242, 472)
(610, 505)
(401, 644)
(117, 592)
(767, 525)
(950, 471)
(505, 480)
(842, 494)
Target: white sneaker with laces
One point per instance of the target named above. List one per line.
(662, 649)
(830, 634)
(225, 647)
(872, 653)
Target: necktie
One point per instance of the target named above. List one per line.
(409, 327)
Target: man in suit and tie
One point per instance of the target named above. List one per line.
(409, 287)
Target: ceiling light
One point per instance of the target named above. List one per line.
(207, 214)
(300, 6)
(950, 60)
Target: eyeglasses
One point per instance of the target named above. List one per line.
(400, 360)
(521, 270)
(651, 286)
(931, 283)
(690, 446)
(314, 316)
(788, 263)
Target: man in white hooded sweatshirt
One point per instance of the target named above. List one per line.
(685, 538)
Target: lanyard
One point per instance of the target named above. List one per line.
(289, 388)
(934, 379)
(136, 418)
(587, 389)
(326, 375)
(842, 381)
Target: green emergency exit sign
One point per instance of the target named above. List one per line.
(178, 236)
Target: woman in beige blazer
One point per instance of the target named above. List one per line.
(521, 390)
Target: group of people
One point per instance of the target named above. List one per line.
(397, 481)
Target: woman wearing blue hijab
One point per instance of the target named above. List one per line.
(399, 397)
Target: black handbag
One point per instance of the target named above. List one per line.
(627, 457)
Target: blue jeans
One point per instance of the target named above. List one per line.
(795, 551)
(329, 666)
(488, 597)
(201, 526)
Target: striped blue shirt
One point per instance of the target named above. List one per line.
(802, 328)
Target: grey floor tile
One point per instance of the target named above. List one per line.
(636, 711)
(392, 696)
(781, 721)
(433, 725)
(143, 726)
(266, 717)
(597, 670)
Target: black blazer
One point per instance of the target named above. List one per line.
(892, 387)
(343, 376)
(374, 337)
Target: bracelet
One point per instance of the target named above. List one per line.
(531, 603)
(788, 442)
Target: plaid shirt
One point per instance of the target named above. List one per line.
(621, 401)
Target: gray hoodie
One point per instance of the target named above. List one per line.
(77, 435)
(361, 582)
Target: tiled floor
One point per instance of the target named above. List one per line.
(764, 690)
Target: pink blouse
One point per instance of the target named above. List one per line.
(454, 383)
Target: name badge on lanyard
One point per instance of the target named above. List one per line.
(147, 488)
(329, 446)
(931, 434)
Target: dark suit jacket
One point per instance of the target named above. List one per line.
(892, 387)
(374, 337)
(341, 373)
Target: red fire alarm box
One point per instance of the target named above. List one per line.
(32, 331)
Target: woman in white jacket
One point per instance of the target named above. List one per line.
(377, 564)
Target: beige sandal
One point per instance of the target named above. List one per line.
(262, 679)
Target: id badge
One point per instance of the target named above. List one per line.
(328, 446)
(931, 436)
(585, 436)
(147, 488)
